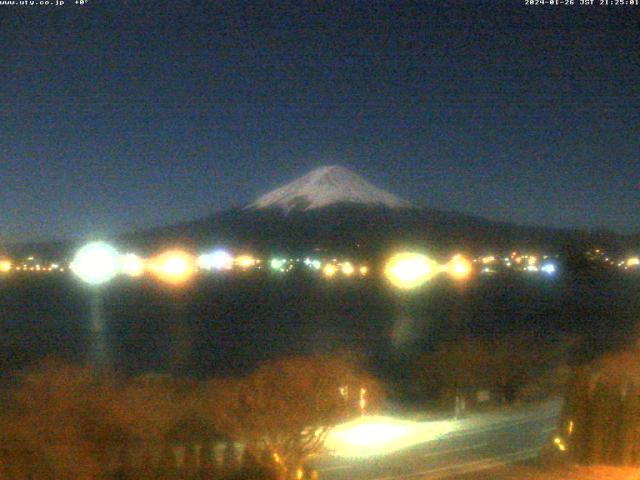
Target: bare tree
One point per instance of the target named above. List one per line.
(64, 421)
(287, 407)
(56, 424)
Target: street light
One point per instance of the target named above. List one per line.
(173, 266)
(347, 269)
(410, 270)
(329, 270)
(5, 266)
(458, 267)
(245, 262)
(95, 263)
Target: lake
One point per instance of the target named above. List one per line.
(226, 325)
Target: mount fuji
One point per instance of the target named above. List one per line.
(326, 186)
(334, 209)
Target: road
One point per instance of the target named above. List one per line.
(473, 447)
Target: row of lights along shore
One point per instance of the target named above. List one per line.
(98, 262)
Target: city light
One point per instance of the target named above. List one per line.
(173, 266)
(347, 269)
(409, 270)
(559, 444)
(95, 263)
(245, 261)
(329, 270)
(216, 260)
(633, 262)
(278, 264)
(458, 267)
(131, 265)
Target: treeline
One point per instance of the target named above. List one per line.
(63, 421)
(508, 368)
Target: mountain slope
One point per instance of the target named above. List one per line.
(326, 186)
(333, 208)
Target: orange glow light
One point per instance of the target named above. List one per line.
(173, 266)
(245, 261)
(488, 259)
(459, 267)
(409, 270)
(347, 269)
(329, 270)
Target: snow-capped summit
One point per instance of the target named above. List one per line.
(325, 186)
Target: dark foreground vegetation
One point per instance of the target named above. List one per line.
(62, 421)
(601, 421)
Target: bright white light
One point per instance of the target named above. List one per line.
(95, 263)
(216, 260)
(376, 435)
(548, 268)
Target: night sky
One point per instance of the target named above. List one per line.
(119, 115)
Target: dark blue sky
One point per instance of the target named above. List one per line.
(115, 116)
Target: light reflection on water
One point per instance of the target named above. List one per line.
(403, 331)
(99, 350)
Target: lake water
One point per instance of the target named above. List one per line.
(225, 326)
